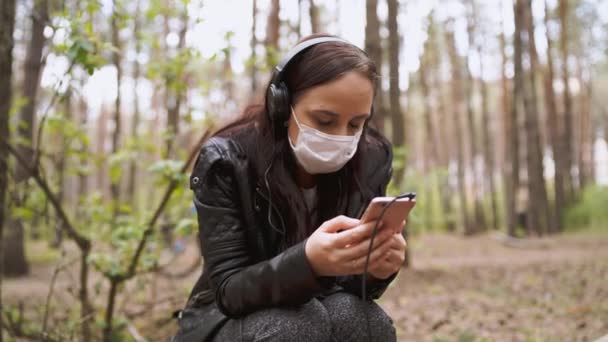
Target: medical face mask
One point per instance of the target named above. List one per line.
(318, 152)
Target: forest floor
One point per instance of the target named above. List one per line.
(482, 288)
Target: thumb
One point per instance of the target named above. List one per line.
(339, 223)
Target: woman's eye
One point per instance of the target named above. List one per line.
(323, 123)
(354, 126)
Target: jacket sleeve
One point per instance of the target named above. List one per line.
(241, 286)
(374, 287)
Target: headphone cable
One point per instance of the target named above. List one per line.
(369, 252)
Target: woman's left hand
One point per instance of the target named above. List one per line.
(392, 260)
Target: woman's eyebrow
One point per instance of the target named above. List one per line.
(329, 112)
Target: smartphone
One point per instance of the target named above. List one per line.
(396, 212)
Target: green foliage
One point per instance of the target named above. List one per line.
(590, 211)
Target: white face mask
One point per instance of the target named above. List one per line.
(318, 152)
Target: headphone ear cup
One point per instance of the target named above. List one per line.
(277, 103)
(282, 103)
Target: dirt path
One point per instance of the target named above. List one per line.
(469, 289)
(458, 289)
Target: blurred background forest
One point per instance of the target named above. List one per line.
(497, 111)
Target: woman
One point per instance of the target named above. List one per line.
(277, 193)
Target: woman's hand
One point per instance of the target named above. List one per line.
(391, 262)
(339, 246)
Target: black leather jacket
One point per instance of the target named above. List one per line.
(243, 269)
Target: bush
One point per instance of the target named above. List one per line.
(591, 211)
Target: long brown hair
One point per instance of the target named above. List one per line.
(269, 151)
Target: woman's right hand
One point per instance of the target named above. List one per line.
(339, 246)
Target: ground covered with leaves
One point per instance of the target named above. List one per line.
(483, 288)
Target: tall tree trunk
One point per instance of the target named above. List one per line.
(512, 179)
(315, 20)
(101, 151)
(131, 183)
(253, 71)
(116, 60)
(555, 134)
(373, 48)
(82, 183)
(272, 33)
(7, 25)
(61, 166)
(458, 109)
(175, 96)
(479, 222)
(568, 148)
(441, 130)
(31, 81)
(586, 136)
(488, 144)
(14, 241)
(398, 127)
(539, 214)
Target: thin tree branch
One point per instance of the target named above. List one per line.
(82, 242)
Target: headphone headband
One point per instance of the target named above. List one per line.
(303, 46)
(277, 93)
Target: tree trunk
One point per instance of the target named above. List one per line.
(132, 186)
(539, 214)
(512, 179)
(253, 71)
(586, 136)
(7, 25)
(567, 146)
(443, 148)
(373, 48)
(398, 127)
(272, 33)
(61, 166)
(116, 60)
(31, 81)
(83, 178)
(15, 263)
(479, 222)
(315, 21)
(457, 105)
(555, 134)
(488, 144)
(175, 96)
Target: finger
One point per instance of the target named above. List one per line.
(399, 242)
(382, 240)
(377, 255)
(356, 234)
(339, 223)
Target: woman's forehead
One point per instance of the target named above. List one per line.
(351, 93)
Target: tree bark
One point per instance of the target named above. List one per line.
(31, 81)
(315, 21)
(488, 144)
(568, 148)
(441, 131)
(272, 32)
(398, 127)
(479, 222)
(14, 241)
(539, 214)
(458, 109)
(373, 48)
(555, 135)
(512, 145)
(132, 186)
(253, 71)
(7, 25)
(586, 136)
(116, 60)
